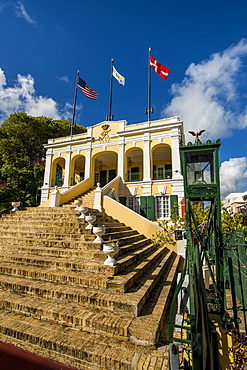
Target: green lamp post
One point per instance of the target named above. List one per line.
(200, 165)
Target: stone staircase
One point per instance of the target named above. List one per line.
(87, 198)
(59, 300)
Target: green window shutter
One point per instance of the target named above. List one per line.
(150, 207)
(122, 200)
(147, 206)
(143, 206)
(174, 204)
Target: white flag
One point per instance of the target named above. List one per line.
(118, 77)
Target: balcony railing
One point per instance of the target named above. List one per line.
(134, 176)
(138, 176)
(162, 176)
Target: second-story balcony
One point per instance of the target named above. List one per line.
(133, 176)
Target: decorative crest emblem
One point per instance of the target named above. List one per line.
(104, 137)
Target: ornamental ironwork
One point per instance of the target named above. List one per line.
(202, 191)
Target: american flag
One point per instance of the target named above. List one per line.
(86, 89)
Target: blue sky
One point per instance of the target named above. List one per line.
(43, 44)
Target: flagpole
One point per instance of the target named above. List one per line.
(75, 97)
(149, 109)
(110, 116)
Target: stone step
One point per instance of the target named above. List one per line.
(67, 314)
(87, 198)
(87, 295)
(120, 234)
(92, 252)
(48, 227)
(124, 261)
(86, 203)
(150, 321)
(63, 271)
(143, 289)
(67, 240)
(62, 218)
(152, 324)
(65, 227)
(41, 235)
(36, 210)
(135, 244)
(53, 262)
(86, 250)
(62, 243)
(127, 240)
(76, 348)
(42, 217)
(136, 275)
(132, 301)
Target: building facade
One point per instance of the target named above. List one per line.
(236, 203)
(145, 156)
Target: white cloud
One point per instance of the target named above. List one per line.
(22, 13)
(233, 175)
(2, 79)
(208, 97)
(64, 79)
(22, 98)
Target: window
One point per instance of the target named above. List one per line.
(162, 207)
(161, 172)
(133, 203)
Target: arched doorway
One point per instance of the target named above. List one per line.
(162, 162)
(79, 170)
(105, 168)
(134, 165)
(58, 172)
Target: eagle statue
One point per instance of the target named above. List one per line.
(196, 134)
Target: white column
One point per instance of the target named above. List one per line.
(177, 178)
(47, 177)
(176, 162)
(88, 162)
(146, 158)
(120, 170)
(67, 167)
(98, 198)
(48, 162)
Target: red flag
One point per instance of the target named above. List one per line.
(161, 70)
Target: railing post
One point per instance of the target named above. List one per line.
(55, 198)
(98, 198)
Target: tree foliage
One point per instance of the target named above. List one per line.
(22, 154)
(230, 223)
